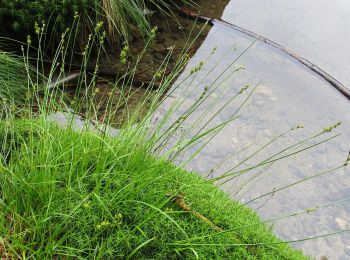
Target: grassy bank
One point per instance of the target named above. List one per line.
(82, 193)
(86, 195)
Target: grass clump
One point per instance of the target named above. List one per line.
(121, 17)
(14, 78)
(68, 193)
(80, 194)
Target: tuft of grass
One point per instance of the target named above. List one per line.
(14, 78)
(121, 14)
(68, 193)
(65, 193)
(19, 17)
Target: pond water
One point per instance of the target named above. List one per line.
(316, 29)
(288, 94)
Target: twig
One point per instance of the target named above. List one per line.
(179, 199)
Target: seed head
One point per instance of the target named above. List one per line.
(29, 40)
(98, 26)
(330, 128)
(198, 67)
(124, 54)
(37, 28)
(309, 210)
(154, 31)
(297, 127)
(244, 88)
(347, 160)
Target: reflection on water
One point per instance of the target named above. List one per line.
(318, 30)
(288, 95)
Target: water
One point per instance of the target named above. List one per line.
(288, 95)
(316, 29)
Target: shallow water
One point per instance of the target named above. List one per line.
(317, 30)
(289, 94)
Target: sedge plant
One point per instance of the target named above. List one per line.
(90, 192)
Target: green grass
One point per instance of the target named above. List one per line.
(86, 195)
(121, 17)
(14, 78)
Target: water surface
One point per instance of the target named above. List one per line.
(289, 94)
(318, 30)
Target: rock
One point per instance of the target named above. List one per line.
(341, 223)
